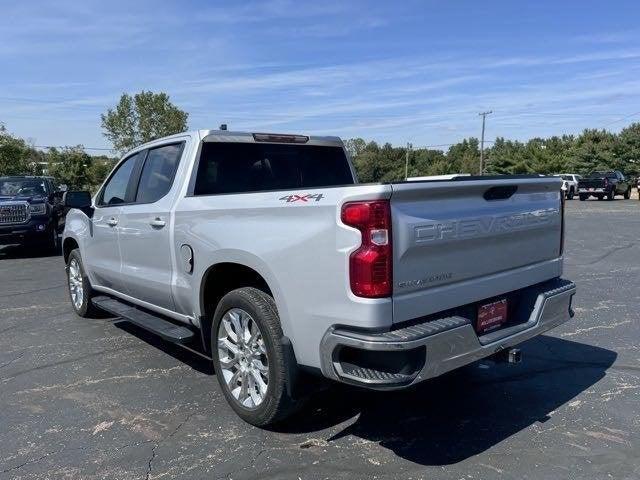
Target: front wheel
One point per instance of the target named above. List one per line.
(80, 291)
(627, 194)
(249, 358)
(570, 194)
(583, 198)
(52, 243)
(611, 195)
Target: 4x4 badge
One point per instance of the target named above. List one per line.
(302, 198)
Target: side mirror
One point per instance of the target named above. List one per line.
(77, 199)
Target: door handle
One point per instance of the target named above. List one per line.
(112, 222)
(157, 222)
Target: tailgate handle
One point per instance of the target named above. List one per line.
(500, 193)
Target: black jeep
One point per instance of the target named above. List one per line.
(31, 212)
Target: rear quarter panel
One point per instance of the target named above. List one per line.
(299, 247)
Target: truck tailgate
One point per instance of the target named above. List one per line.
(458, 242)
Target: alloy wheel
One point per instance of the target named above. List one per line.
(76, 288)
(242, 354)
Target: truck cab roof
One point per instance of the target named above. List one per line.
(217, 135)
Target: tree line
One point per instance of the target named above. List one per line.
(590, 151)
(146, 116)
(71, 166)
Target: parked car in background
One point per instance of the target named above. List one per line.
(31, 212)
(570, 184)
(604, 184)
(263, 253)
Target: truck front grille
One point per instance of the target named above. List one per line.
(14, 213)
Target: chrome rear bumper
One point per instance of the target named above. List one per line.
(435, 347)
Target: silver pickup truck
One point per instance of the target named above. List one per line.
(263, 253)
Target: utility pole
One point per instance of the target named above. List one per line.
(406, 161)
(484, 116)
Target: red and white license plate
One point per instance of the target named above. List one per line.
(491, 316)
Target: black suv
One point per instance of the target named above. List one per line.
(31, 212)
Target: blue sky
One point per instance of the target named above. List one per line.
(416, 71)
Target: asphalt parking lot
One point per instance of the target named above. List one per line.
(84, 399)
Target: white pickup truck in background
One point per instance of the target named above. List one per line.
(263, 253)
(570, 184)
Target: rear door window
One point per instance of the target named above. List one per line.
(158, 172)
(254, 167)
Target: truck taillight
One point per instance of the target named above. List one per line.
(370, 265)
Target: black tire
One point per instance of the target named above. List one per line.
(583, 198)
(52, 243)
(86, 309)
(611, 195)
(276, 404)
(600, 197)
(571, 194)
(627, 194)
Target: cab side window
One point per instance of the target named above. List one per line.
(158, 172)
(115, 190)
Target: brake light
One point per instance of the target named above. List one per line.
(280, 138)
(370, 271)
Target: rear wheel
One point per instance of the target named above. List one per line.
(570, 194)
(583, 198)
(80, 291)
(611, 195)
(600, 197)
(627, 194)
(249, 358)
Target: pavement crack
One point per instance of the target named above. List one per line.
(610, 252)
(71, 360)
(30, 462)
(12, 360)
(157, 445)
(32, 291)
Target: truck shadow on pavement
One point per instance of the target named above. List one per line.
(448, 419)
(464, 413)
(15, 252)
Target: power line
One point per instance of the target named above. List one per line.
(620, 119)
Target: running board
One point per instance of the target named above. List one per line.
(158, 325)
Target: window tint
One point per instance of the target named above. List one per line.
(251, 167)
(158, 172)
(115, 191)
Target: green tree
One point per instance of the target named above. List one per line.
(423, 162)
(592, 150)
(99, 169)
(16, 157)
(142, 118)
(70, 166)
(627, 150)
(355, 146)
(464, 157)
